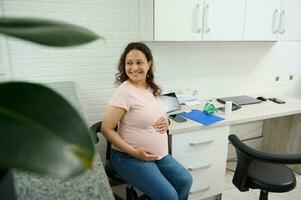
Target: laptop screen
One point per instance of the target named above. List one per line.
(170, 102)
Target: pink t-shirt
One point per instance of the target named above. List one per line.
(143, 111)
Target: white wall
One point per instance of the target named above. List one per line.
(216, 68)
(219, 69)
(4, 59)
(92, 66)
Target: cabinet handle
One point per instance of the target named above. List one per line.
(200, 143)
(198, 28)
(199, 167)
(282, 21)
(207, 29)
(275, 21)
(200, 190)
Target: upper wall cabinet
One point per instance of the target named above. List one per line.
(272, 20)
(262, 19)
(289, 28)
(193, 20)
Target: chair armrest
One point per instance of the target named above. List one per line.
(268, 157)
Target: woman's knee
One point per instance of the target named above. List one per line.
(185, 180)
(188, 179)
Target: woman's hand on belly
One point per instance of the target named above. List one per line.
(161, 125)
(144, 154)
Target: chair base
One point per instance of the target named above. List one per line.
(263, 195)
(219, 197)
(131, 193)
(117, 197)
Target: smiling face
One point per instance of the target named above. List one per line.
(136, 67)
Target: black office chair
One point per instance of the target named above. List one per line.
(264, 171)
(113, 177)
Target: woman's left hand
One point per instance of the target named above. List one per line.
(161, 125)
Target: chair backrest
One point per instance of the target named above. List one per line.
(245, 155)
(96, 128)
(243, 162)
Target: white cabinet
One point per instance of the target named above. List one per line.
(194, 20)
(178, 20)
(204, 153)
(262, 19)
(272, 20)
(223, 20)
(220, 20)
(289, 28)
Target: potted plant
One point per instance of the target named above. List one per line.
(39, 130)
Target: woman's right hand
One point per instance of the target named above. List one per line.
(144, 154)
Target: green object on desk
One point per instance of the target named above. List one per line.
(209, 108)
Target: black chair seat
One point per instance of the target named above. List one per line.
(271, 177)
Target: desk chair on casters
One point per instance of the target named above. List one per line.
(114, 178)
(263, 171)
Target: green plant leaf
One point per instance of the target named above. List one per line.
(46, 32)
(41, 132)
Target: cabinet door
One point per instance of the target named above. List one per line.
(289, 28)
(223, 20)
(178, 20)
(262, 19)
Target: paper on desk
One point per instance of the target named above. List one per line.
(192, 103)
(185, 95)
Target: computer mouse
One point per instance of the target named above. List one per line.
(261, 98)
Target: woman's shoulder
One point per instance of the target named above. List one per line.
(123, 88)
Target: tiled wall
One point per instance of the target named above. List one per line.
(219, 69)
(215, 69)
(92, 66)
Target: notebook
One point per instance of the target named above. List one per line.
(201, 117)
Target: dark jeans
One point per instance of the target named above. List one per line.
(164, 179)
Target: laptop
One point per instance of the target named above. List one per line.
(240, 100)
(170, 102)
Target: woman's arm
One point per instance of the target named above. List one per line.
(111, 118)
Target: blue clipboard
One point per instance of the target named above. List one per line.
(201, 117)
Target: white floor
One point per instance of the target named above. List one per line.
(231, 193)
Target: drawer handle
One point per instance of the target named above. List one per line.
(200, 190)
(199, 167)
(200, 143)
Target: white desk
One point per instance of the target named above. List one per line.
(203, 149)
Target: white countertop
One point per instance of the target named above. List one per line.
(248, 113)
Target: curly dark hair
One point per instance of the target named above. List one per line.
(121, 75)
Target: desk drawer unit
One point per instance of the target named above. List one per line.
(200, 141)
(205, 164)
(204, 154)
(207, 186)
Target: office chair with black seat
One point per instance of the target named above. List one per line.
(113, 177)
(263, 171)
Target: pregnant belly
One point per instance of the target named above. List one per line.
(148, 139)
